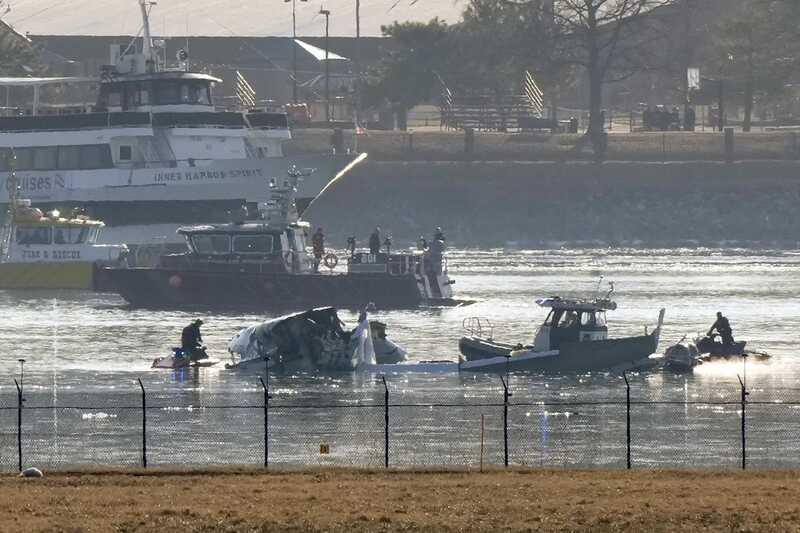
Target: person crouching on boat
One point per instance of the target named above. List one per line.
(318, 245)
(723, 327)
(192, 341)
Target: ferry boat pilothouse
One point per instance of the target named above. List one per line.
(154, 153)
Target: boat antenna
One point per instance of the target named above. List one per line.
(21, 374)
(610, 290)
(597, 289)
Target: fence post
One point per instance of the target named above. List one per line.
(144, 424)
(20, 399)
(506, 396)
(385, 423)
(628, 419)
(744, 431)
(266, 420)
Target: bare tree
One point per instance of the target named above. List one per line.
(606, 38)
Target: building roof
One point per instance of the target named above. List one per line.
(222, 17)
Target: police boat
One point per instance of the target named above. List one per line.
(573, 338)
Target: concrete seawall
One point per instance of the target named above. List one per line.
(542, 203)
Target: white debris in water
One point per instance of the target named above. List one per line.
(97, 416)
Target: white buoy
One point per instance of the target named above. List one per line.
(31, 472)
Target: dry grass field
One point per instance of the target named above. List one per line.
(360, 501)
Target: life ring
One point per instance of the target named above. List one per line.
(331, 261)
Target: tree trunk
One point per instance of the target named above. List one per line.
(596, 119)
(748, 104)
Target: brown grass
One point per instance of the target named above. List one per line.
(363, 501)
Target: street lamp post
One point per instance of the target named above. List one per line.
(294, 47)
(327, 14)
(357, 110)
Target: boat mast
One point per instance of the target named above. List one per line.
(12, 186)
(147, 38)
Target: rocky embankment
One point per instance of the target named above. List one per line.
(491, 204)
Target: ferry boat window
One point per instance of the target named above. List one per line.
(24, 158)
(252, 244)
(125, 152)
(5, 155)
(70, 235)
(211, 244)
(33, 234)
(114, 98)
(45, 158)
(69, 157)
(601, 319)
(588, 320)
(167, 92)
(95, 156)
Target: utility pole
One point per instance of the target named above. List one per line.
(688, 53)
(357, 109)
(327, 14)
(294, 48)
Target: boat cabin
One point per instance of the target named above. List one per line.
(252, 246)
(572, 321)
(35, 237)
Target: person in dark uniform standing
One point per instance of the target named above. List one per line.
(438, 235)
(723, 327)
(192, 341)
(318, 246)
(375, 242)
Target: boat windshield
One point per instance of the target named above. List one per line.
(252, 244)
(211, 244)
(34, 234)
(70, 235)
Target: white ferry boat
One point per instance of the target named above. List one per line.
(153, 153)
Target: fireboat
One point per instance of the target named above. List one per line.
(261, 262)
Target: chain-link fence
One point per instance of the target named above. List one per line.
(397, 427)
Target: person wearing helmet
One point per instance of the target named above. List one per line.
(438, 235)
(192, 341)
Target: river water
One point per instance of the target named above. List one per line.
(84, 353)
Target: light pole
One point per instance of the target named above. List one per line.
(357, 113)
(327, 14)
(294, 47)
